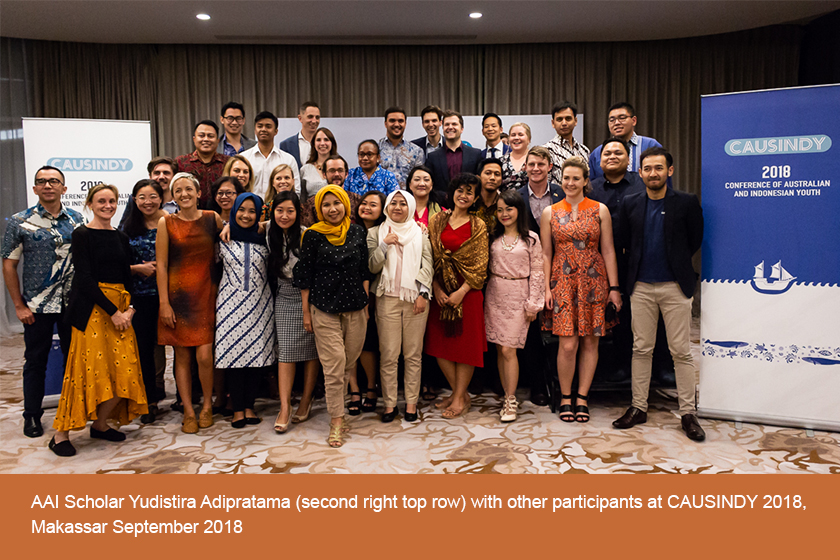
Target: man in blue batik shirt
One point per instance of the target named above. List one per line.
(41, 236)
(395, 153)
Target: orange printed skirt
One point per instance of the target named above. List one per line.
(102, 364)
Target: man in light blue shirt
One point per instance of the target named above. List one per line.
(396, 154)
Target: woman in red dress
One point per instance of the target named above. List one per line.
(580, 280)
(455, 332)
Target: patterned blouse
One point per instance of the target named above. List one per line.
(512, 179)
(142, 250)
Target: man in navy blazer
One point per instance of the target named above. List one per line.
(491, 129)
(539, 194)
(299, 145)
(661, 229)
(455, 156)
(430, 117)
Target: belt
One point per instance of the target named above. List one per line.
(508, 277)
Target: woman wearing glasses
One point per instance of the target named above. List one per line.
(140, 226)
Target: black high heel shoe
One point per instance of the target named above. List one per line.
(582, 410)
(565, 410)
(354, 408)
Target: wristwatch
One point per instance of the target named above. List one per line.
(426, 295)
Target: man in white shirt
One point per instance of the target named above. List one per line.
(265, 156)
(299, 145)
(491, 129)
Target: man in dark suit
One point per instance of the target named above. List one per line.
(491, 129)
(300, 144)
(610, 188)
(661, 229)
(455, 157)
(538, 195)
(430, 117)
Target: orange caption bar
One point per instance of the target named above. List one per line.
(373, 516)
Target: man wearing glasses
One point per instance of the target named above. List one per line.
(41, 235)
(233, 141)
(622, 124)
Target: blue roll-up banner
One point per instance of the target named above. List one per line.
(770, 321)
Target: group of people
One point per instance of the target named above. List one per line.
(245, 256)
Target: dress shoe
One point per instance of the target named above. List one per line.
(390, 416)
(109, 435)
(32, 427)
(632, 417)
(150, 416)
(539, 399)
(692, 428)
(410, 416)
(239, 423)
(63, 449)
(252, 421)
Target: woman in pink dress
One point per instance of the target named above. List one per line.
(515, 290)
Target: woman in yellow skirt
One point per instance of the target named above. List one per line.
(103, 379)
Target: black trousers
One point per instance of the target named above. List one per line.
(145, 323)
(244, 384)
(532, 359)
(37, 338)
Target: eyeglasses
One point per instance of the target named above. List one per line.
(363, 155)
(144, 198)
(225, 194)
(234, 119)
(619, 118)
(52, 182)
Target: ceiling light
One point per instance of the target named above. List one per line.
(476, 15)
(202, 17)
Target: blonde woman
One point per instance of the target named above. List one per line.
(281, 179)
(513, 163)
(103, 378)
(240, 169)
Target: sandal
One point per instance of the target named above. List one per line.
(581, 410)
(354, 408)
(369, 404)
(451, 414)
(336, 437)
(428, 394)
(565, 410)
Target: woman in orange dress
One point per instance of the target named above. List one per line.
(580, 280)
(186, 252)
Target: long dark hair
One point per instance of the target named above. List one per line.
(511, 197)
(281, 245)
(135, 222)
(214, 188)
(358, 219)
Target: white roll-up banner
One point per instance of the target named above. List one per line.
(770, 292)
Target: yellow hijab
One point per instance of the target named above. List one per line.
(335, 234)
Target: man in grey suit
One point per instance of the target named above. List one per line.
(300, 144)
(233, 141)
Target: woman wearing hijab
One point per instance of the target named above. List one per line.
(244, 309)
(332, 275)
(401, 257)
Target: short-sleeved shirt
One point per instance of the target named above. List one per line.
(382, 180)
(43, 241)
(561, 150)
(400, 159)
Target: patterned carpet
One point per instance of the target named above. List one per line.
(477, 443)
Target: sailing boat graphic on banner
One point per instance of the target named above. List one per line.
(779, 282)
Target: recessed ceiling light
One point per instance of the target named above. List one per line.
(203, 17)
(476, 15)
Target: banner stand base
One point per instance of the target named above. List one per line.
(783, 421)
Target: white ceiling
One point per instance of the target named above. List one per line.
(392, 21)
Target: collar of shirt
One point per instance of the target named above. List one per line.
(41, 211)
(430, 145)
(386, 143)
(532, 193)
(458, 149)
(217, 157)
(634, 139)
(258, 152)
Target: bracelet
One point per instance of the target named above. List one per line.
(615, 289)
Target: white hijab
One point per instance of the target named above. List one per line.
(411, 239)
